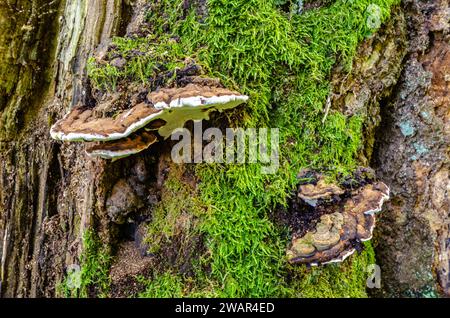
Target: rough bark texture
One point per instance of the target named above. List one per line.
(412, 157)
(51, 192)
(48, 193)
(374, 74)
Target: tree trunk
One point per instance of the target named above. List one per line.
(47, 192)
(51, 192)
(412, 156)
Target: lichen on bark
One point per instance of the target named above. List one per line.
(412, 156)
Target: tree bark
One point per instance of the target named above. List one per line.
(48, 192)
(412, 157)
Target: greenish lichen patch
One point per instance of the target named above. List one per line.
(407, 128)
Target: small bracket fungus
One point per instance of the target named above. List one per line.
(311, 193)
(122, 148)
(133, 130)
(340, 223)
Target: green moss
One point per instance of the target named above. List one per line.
(283, 62)
(166, 285)
(93, 277)
(105, 77)
(176, 214)
(145, 58)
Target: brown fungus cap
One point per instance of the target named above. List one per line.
(122, 148)
(173, 106)
(321, 190)
(337, 233)
(81, 124)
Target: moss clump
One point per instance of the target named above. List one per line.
(166, 285)
(145, 59)
(176, 216)
(93, 277)
(283, 62)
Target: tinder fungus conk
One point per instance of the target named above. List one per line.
(341, 219)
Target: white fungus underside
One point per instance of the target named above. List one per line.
(108, 154)
(337, 260)
(176, 114)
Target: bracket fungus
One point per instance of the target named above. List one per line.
(133, 130)
(196, 102)
(123, 147)
(337, 223)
